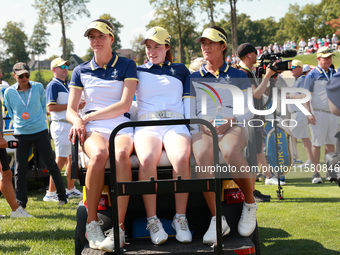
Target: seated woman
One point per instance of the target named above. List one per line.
(109, 83)
(159, 95)
(232, 138)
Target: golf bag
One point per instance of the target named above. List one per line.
(332, 160)
(285, 149)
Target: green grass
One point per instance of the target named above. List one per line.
(307, 221)
(310, 59)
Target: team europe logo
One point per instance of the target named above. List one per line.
(114, 74)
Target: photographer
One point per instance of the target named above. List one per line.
(323, 123)
(247, 53)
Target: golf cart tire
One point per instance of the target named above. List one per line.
(256, 240)
(78, 247)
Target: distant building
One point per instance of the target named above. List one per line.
(45, 64)
(35, 64)
(127, 53)
(75, 61)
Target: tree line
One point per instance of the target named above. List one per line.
(184, 19)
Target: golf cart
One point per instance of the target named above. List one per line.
(229, 202)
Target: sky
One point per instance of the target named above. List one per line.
(133, 14)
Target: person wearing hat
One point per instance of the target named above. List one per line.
(57, 92)
(299, 127)
(109, 83)
(323, 123)
(160, 95)
(248, 55)
(305, 69)
(26, 105)
(232, 138)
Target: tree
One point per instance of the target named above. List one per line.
(334, 23)
(139, 49)
(207, 6)
(176, 17)
(89, 55)
(233, 24)
(69, 47)
(38, 41)
(63, 11)
(117, 26)
(16, 42)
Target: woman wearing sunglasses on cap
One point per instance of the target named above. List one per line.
(26, 105)
(217, 75)
(109, 83)
(159, 95)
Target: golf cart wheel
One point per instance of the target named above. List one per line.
(78, 247)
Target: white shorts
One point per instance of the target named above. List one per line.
(107, 126)
(162, 132)
(59, 133)
(324, 130)
(101, 126)
(121, 132)
(301, 129)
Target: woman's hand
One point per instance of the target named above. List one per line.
(81, 105)
(78, 129)
(222, 129)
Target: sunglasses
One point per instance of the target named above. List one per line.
(326, 51)
(25, 75)
(64, 66)
(293, 67)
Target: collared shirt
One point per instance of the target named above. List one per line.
(316, 82)
(103, 85)
(317, 74)
(57, 93)
(299, 83)
(36, 108)
(161, 87)
(217, 89)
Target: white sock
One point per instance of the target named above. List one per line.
(152, 217)
(177, 215)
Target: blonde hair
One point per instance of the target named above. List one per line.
(196, 64)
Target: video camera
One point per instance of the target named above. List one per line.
(273, 57)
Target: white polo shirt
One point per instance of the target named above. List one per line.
(103, 87)
(161, 87)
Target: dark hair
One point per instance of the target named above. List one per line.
(221, 42)
(168, 55)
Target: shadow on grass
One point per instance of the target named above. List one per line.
(275, 241)
(313, 200)
(14, 249)
(44, 236)
(307, 182)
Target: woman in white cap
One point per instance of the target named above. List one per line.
(109, 83)
(216, 77)
(160, 95)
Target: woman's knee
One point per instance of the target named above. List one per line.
(123, 156)
(202, 156)
(181, 160)
(100, 157)
(148, 161)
